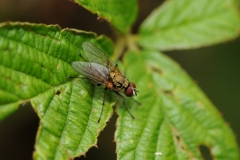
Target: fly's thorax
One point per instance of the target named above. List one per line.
(119, 80)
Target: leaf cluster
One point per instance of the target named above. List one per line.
(175, 117)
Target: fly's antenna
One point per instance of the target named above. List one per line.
(135, 91)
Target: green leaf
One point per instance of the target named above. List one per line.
(122, 14)
(189, 24)
(175, 117)
(34, 65)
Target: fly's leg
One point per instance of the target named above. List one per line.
(107, 65)
(102, 104)
(75, 77)
(124, 104)
(82, 57)
(134, 100)
(68, 77)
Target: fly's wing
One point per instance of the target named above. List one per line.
(95, 55)
(95, 72)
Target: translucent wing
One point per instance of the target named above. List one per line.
(95, 55)
(95, 72)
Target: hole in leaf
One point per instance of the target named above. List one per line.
(178, 138)
(58, 93)
(205, 152)
(100, 19)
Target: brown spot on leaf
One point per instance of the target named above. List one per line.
(155, 69)
(168, 92)
(180, 143)
(178, 139)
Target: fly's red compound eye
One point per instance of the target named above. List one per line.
(132, 85)
(129, 91)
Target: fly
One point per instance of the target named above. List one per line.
(101, 70)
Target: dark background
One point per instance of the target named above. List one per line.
(216, 70)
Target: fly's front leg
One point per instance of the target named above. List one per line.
(134, 100)
(76, 77)
(108, 64)
(102, 104)
(82, 57)
(124, 104)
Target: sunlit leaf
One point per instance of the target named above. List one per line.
(175, 117)
(34, 65)
(122, 14)
(188, 24)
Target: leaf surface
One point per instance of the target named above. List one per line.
(189, 24)
(122, 14)
(175, 117)
(34, 65)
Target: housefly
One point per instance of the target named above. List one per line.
(101, 70)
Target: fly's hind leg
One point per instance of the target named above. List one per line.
(102, 104)
(124, 104)
(108, 62)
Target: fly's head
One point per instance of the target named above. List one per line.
(131, 90)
